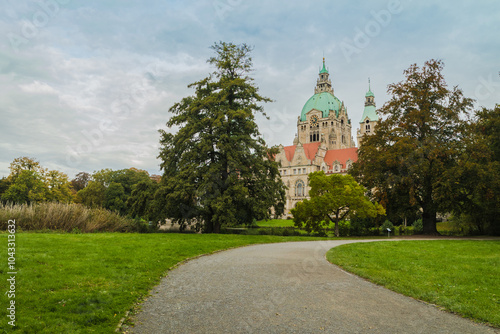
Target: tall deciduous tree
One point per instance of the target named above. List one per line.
(59, 187)
(417, 141)
(333, 198)
(80, 181)
(27, 182)
(27, 187)
(217, 170)
(475, 186)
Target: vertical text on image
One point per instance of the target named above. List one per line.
(12, 272)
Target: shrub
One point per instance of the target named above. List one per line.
(360, 226)
(418, 226)
(344, 228)
(387, 225)
(374, 231)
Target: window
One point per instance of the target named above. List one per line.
(294, 171)
(314, 136)
(303, 170)
(284, 172)
(299, 188)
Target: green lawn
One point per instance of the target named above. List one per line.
(461, 276)
(275, 223)
(84, 283)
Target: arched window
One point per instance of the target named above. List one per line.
(299, 188)
(314, 136)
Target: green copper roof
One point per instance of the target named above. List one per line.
(323, 70)
(324, 102)
(371, 113)
(369, 92)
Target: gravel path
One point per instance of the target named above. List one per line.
(284, 288)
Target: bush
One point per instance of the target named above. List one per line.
(344, 228)
(418, 226)
(409, 230)
(387, 225)
(374, 231)
(360, 226)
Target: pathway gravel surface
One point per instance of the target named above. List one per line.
(284, 288)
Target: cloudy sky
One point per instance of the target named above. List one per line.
(85, 85)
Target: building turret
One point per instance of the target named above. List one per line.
(323, 84)
(370, 119)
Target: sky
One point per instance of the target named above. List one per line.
(85, 85)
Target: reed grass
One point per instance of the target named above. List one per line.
(63, 217)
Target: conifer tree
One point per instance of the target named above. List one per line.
(217, 170)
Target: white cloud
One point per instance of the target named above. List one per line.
(37, 87)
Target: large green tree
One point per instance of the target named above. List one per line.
(332, 199)
(217, 170)
(59, 187)
(111, 189)
(475, 186)
(418, 139)
(27, 186)
(141, 200)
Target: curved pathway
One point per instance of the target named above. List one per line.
(284, 288)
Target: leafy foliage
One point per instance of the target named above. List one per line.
(475, 181)
(112, 189)
(217, 170)
(418, 140)
(29, 182)
(333, 198)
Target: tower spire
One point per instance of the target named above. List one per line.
(323, 84)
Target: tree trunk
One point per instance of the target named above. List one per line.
(216, 228)
(429, 221)
(428, 208)
(337, 234)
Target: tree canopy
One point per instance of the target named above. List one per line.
(217, 169)
(332, 199)
(418, 140)
(29, 182)
(475, 181)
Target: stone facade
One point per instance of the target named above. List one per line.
(323, 140)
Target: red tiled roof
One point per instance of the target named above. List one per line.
(341, 156)
(310, 150)
(289, 152)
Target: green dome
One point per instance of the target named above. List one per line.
(369, 93)
(324, 102)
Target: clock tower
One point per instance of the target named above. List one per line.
(324, 117)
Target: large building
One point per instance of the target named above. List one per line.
(323, 140)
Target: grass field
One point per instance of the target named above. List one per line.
(460, 276)
(84, 283)
(275, 223)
